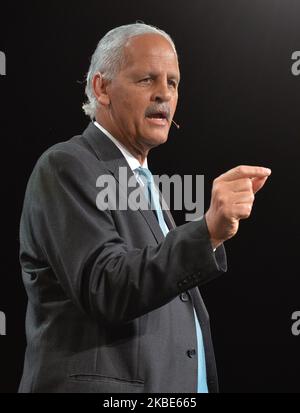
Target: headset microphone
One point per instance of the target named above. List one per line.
(177, 126)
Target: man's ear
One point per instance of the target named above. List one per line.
(100, 89)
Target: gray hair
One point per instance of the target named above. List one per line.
(108, 57)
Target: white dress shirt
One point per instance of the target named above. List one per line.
(131, 160)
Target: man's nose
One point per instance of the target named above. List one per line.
(162, 92)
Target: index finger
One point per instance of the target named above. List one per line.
(245, 171)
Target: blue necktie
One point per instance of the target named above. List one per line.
(152, 196)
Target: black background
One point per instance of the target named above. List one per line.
(239, 104)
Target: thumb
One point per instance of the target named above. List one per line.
(258, 183)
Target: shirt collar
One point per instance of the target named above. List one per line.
(131, 160)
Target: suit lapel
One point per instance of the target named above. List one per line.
(169, 219)
(109, 153)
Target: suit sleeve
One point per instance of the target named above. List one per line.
(92, 262)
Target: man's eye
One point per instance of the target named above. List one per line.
(146, 80)
(173, 83)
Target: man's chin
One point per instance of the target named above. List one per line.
(154, 140)
(157, 135)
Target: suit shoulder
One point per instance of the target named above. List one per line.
(73, 148)
(70, 155)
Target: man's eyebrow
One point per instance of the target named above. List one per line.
(170, 76)
(175, 77)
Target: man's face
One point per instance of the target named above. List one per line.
(143, 96)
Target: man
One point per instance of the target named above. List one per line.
(113, 298)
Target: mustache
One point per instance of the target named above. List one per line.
(153, 110)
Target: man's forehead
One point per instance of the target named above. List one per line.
(150, 53)
(149, 46)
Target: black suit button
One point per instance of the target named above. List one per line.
(184, 297)
(191, 353)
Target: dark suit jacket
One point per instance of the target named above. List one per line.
(110, 300)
